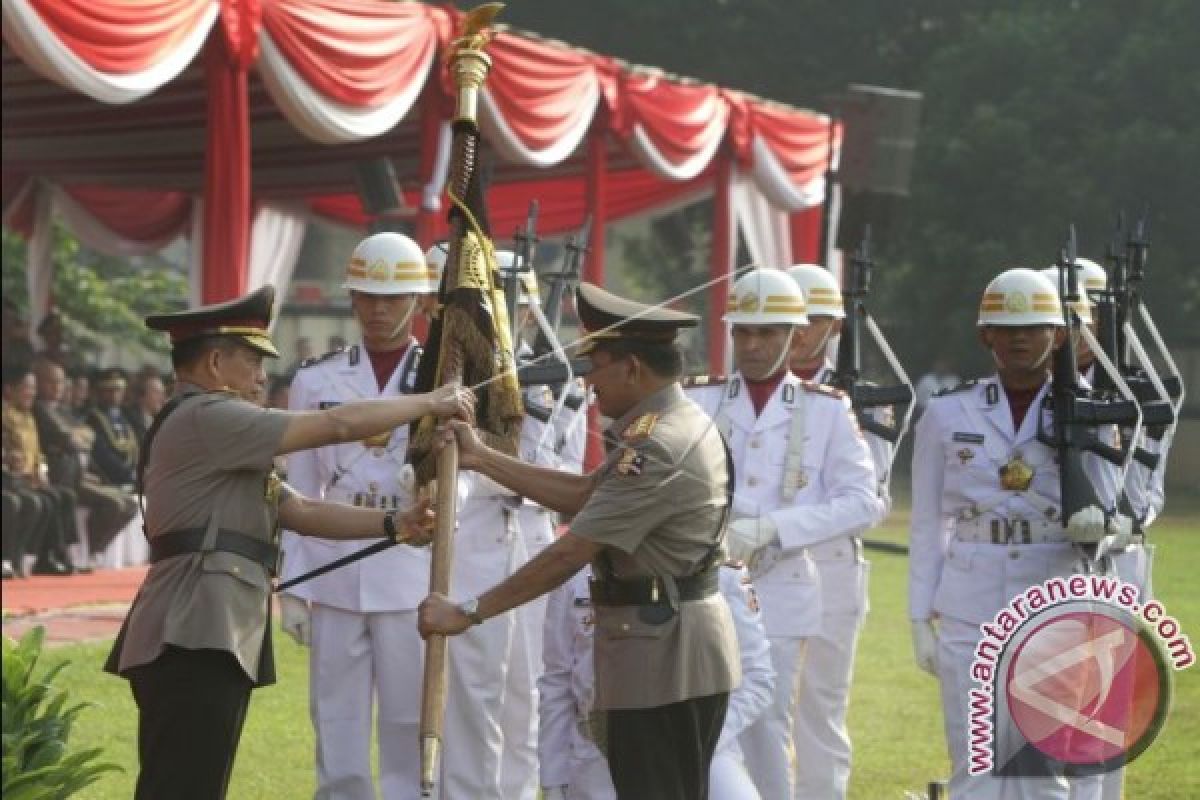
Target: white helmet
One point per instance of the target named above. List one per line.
(1020, 296)
(1082, 306)
(1092, 276)
(822, 295)
(435, 265)
(766, 297)
(386, 263)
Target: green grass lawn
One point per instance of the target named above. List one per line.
(894, 715)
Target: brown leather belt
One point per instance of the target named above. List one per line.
(650, 590)
(191, 540)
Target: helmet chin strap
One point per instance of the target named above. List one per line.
(403, 320)
(783, 354)
(1042, 360)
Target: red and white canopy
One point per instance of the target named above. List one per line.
(109, 110)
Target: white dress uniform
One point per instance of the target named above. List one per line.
(569, 757)
(975, 545)
(365, 648)
(556, 441)
(821, 738)
(816, 493)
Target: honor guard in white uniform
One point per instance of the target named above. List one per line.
(821, 738)
(1134, 558)
(805, 481)
(986, 509)
(360, 620)
(572, 767)
(557, 441)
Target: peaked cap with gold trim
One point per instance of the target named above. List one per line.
(246, 318)
(608, 317)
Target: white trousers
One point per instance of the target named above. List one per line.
(767, 746)
(486, 548)
(519, 713)
(821, 738)
(357, 661)
(819, 732)
(728, 778)
(956, 651)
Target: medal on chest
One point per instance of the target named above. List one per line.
(1016, 475)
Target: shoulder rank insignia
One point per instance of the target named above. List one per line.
(962, 387)
(631, 462)
(641, 427)
(696, 381)
(312, 362)
(822, 388)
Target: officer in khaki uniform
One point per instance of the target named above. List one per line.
(197, 637)
(651, 520)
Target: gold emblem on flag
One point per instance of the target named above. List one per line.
(1016, 475)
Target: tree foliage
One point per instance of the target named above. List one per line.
(100, 294)
(1036, 115)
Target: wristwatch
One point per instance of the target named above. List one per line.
(389, 526)
(471, 610)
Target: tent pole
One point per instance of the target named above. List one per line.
(720, 262)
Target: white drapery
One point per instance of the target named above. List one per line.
(765, 229)
(275, 239)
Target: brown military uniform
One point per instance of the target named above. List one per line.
(209, 468)
(659, 510)
(665, 647)
(197, 638)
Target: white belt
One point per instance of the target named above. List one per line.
(995, 530)
(843, 548)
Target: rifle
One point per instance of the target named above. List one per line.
(847, 374)
(549, 365)
(1077, 414)
(1116, 306)
(561, 284)
(524, 247)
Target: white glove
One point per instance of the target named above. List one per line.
(554, 793)
(295, 619)
(748, 535)
(925, 644)
(1120, 527)
(1087, 526)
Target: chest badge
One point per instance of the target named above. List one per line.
(965, 455)
(1016, 475)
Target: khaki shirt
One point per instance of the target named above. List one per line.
(209, 467)
(658, 510)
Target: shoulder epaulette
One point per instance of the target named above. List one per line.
(962, 387)
(696, 381)
(312, 362)
(822, 388)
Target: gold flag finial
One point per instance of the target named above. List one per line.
(469, 64)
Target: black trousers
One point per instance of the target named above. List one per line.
(191, 706)
(665, 752)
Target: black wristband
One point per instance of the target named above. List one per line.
(389, 526)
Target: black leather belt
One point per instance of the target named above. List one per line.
(650, 590)
(191, 540)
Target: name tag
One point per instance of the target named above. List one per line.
(327, 404)
(583, 602)
(968, 438)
